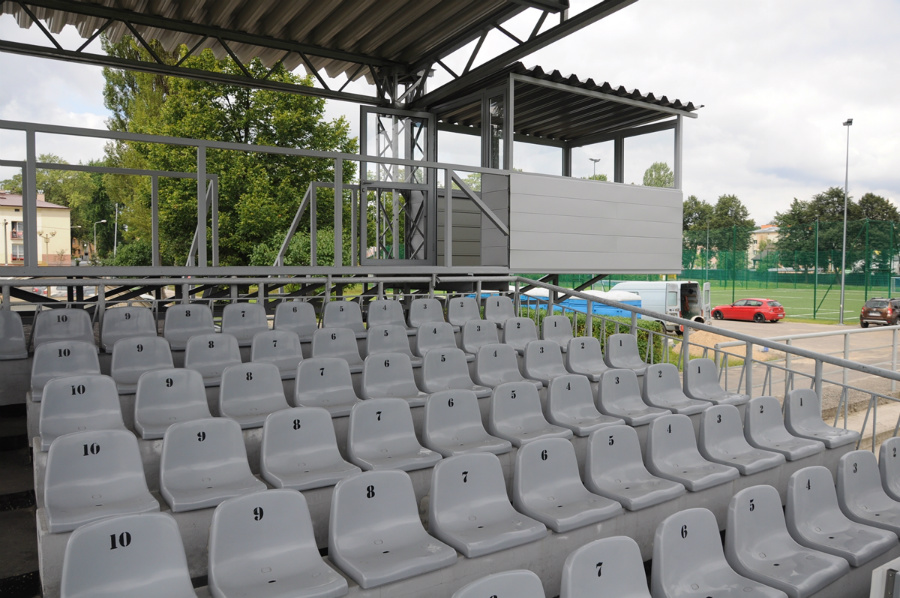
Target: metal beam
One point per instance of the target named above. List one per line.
(644, 130)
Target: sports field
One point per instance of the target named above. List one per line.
(799, 302)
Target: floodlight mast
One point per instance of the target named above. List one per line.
(847, 124)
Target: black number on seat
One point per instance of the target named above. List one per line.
(296, 424)
(62, 318)
(201, 436)
(294, 309)
(809, 484)
(257, 514)
(684, 531)
(212, 344)
(611, 440)
(249, 376)
(855, 468)
(321, 371)
(123, 540)
(243, 313)
(617, 379)
(450, 402)
(333, 336)
(761, 408)
(544, 455)
(541, 349)
(599, 569)
(78, 390)
(91, 449)
(378, 415)
(465, 476)
(659, 374)
(387, 363)
(64, 352)
(127, 316)
(274, 342)
(370, 491)
(719, 418)
(139, 348)
(752, 506)
(169, 383)
(187, 313)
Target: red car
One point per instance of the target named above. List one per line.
(758, 310)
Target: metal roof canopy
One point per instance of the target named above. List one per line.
(394, 44)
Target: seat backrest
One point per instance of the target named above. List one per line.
(210, 354)
(12, 336)
(721, 428)
(685, 544)
(499, 308)
(543, 360)
(336, 342)
(297, 431)
(243, 320)
(516, 404)
(889, 466)
(91, 463)
(621, 348)
(202, 444)
(184, 320)
(811, 497)
(278, 347)
(546, 467)
(387, 375)
(251, 388)
(136, 354)
(660, 381)
(321, 380)
(614, 451)
(670, 438)
(701, 376)
(763, 418)
(133, 555)
(256, 526)
(495, 364)
(164, 397)
(126, 322)
(858, 476)
(383, 312)
(569, 397)
(557, 328)
(61, 358)
(462, 309)
(78, 403)
(434, 335)
(465, 484)
(296, 316)
(606, 567)
(619, 389)
(445, 368)
(802, 405)
(381, 426)
(477, 333)
(519, 583)
(518, 332)
(387, 338)
(343, 314)
(68, 324)
(584, 355)
(425, 310)
(755, 517)
(451, 417)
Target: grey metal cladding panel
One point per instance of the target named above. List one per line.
(593, 262)
(494, 182)
(462, 233)
(586, 225)
(494, 256)
(643, 212)
(553, 186)
(594, 243)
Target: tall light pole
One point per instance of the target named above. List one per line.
(93, 253)
(116, 232)
(847, 124)
(594, 160)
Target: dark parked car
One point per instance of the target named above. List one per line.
(879, 310)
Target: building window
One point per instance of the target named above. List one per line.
(17, 231)
(18, 253)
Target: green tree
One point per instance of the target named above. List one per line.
(597, 177)
(659, 175)
(730, 228)
(696, 216)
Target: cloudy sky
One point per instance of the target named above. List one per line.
(777, 79)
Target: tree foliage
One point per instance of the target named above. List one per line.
(659, 175)
(696, 217)
(730, 224)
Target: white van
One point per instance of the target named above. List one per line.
(679, 298)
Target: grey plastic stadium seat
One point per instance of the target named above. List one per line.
(462, 309)
(12, 336)
(78, 403)
(453, 425)
(374, 532)
(547, 486)
(558, 329)
(243, 321)
(425, 310)
(299, 450)
(570, 404)
(672, 454)
(250, 392)
(340, 343)
(585, 356)
(606, 567)
(325, 382)
(91, 475)
(622, 353)
(132, 555)
(758, 546)
(203, 463)
(722, 441)
(469, 508)
(803, 418)
(385, 312)
(861, 495)
(136, 355)
(298, 317)
(518, 332)
(619, 395)
(446, 369)
(434, 335)
(166, 397)
(515, 414)
(262, 545)
(281, 348)
(543, 361)
(390, 375)
(614, 468)
(889, 466)
(701, 382)
(519, 583)
(662, 388)
(764, 428)
(477, 333)
(498, 309)
(381, 436)
(344, 314)
(126, 322)
(497, 364)
(689, 562)
(185, 320)
(68, 324)
(210, 354)
(815, 520)
(390, 338)
(61, 358)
